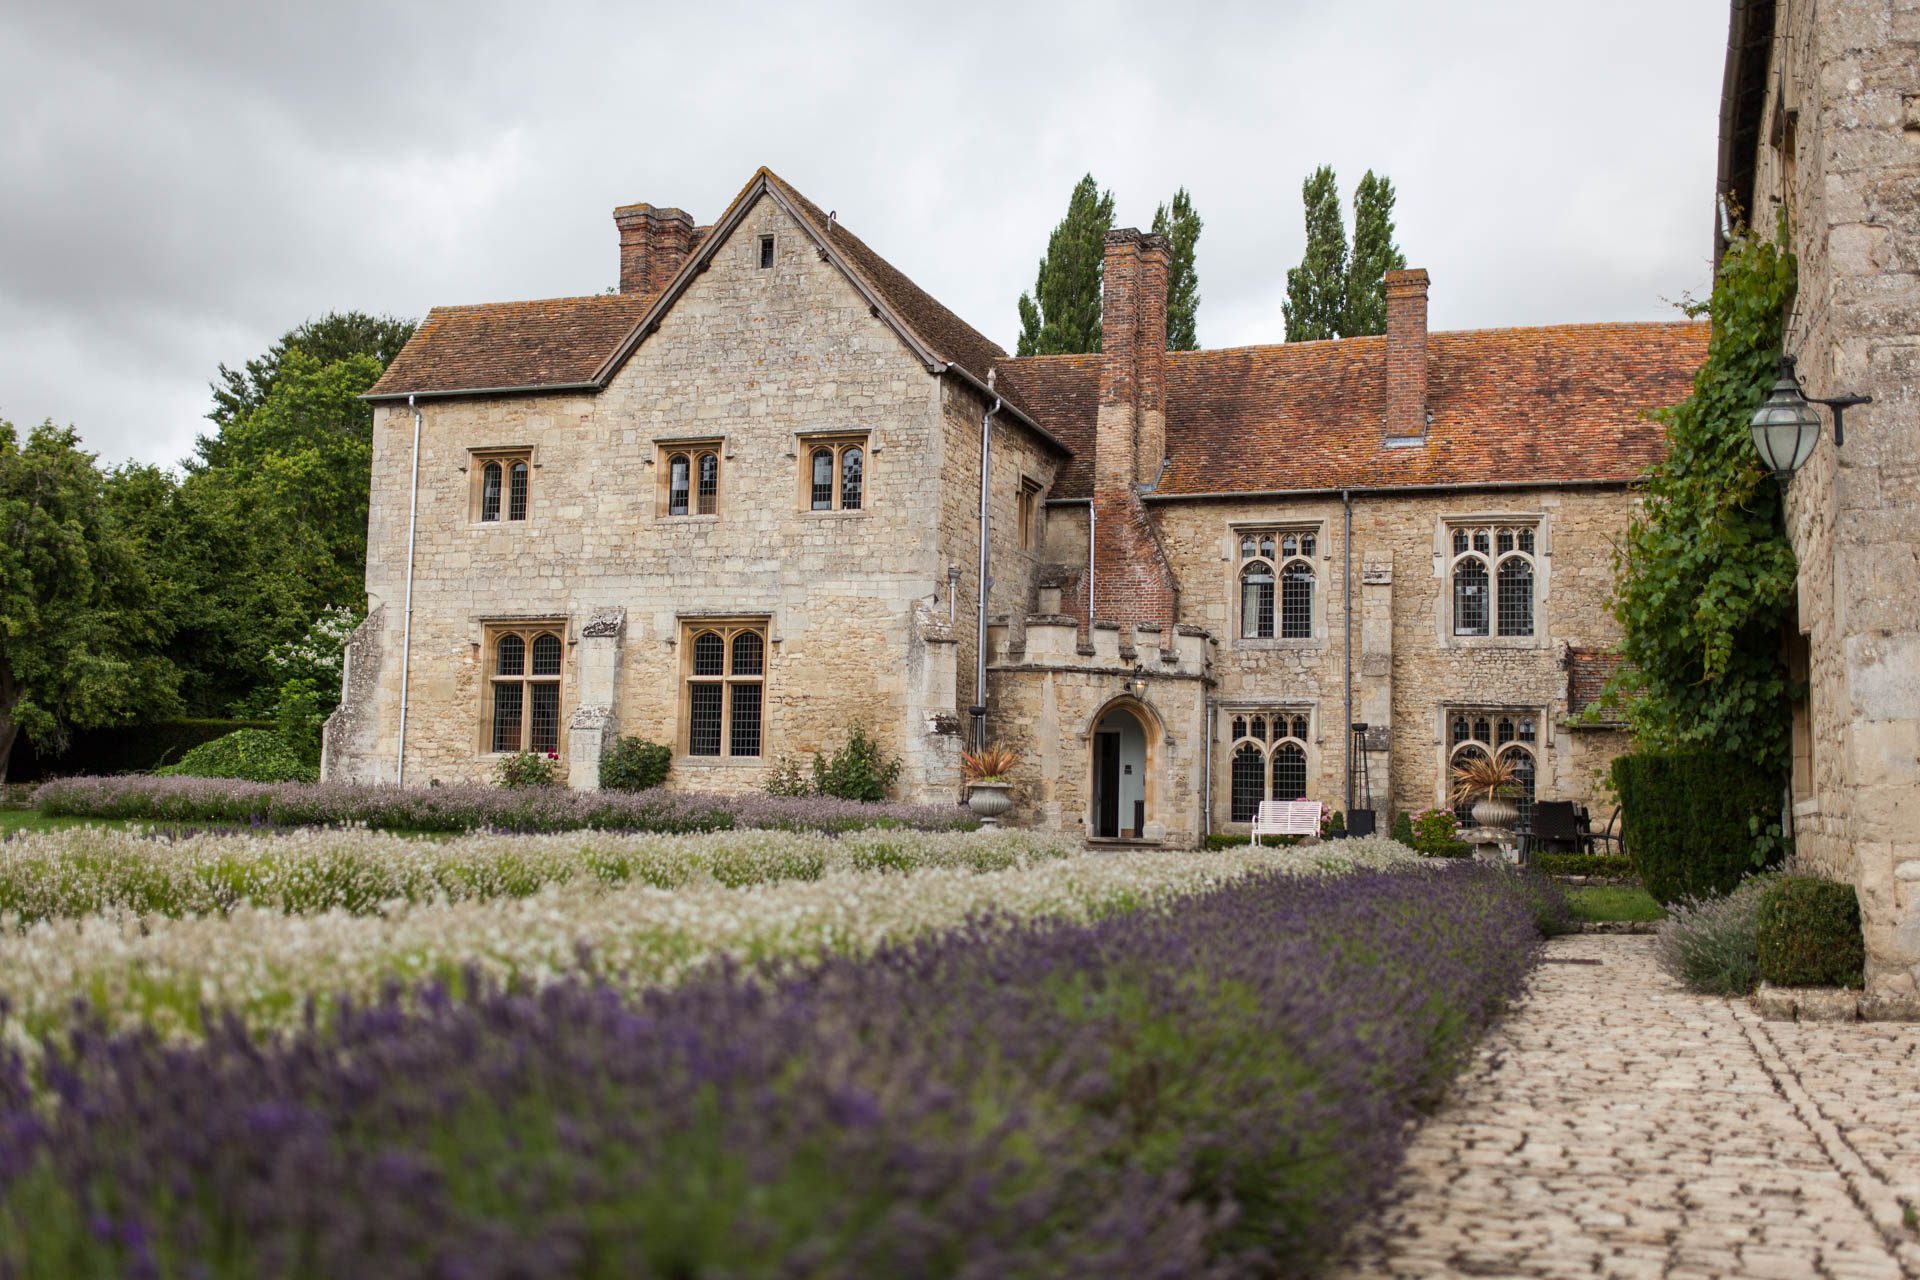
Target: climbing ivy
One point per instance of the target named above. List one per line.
(1705, 575)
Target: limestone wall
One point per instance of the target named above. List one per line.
(1840, 152)
(752, 359)
(1405, 659)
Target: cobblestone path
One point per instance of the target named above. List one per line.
(1616, 1125)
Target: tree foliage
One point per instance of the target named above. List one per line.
(1317, 289)
(1062, 314)
(1335, 293)
(1705, 573)
(1181, 225)
(1374, 254)
(79, 625)
(334, 336)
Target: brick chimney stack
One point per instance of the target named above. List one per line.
(1406, 354)
(654, 244)
(1134, 582)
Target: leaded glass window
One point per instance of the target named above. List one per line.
(1492, 572)
(1277, 581)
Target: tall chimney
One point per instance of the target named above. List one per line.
(1150, 356)
(654, 244)
(1406, 354)
(1134, 581)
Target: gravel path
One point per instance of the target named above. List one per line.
(1616, 1125)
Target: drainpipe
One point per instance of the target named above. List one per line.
(1346, 543)
(1206, 770)
(406, 626)
(980, 632)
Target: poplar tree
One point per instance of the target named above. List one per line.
(1181, 226)
(1062, 314)
(1374, 254)
(1316, 302)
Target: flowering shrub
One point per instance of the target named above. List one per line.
(528, 769)
(263, 965)
(1709, 943)
(1436, 833)
(88, 870)
(634, 764)
(468, 808)
(1219, 1086)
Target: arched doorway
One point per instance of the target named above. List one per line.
(1119, 810)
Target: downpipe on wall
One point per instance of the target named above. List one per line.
(406, 625)
(1346, 547)
(979, 708)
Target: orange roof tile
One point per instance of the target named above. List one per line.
(1546, 405)
(553, 342)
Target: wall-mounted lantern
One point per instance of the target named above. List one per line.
(1137, 683)
(1786, 426)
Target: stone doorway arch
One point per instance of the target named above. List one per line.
(1123, 741)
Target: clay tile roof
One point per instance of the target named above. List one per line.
(554, 342)
(1547, 405)
(1588, 671)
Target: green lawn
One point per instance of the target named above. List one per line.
(12, 820)
(1613, 902)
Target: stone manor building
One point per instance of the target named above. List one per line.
(1820, 120)
(738, 507)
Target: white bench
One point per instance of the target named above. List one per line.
(1287, 818)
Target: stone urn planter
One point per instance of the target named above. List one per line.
(1496, 812)
(989, 800)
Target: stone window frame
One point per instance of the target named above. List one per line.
(528, 631)
(1235, 732)
(1032, 513)
(766, 252)
(694, 449)
(729, 629)
(837, 443)
(1317, 562)
(1446, 561)
(1495, 742)
(506, 458)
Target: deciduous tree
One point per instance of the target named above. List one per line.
(79, 628)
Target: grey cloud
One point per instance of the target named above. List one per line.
(186, 183)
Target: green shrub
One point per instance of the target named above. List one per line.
(1708, 944)
(1436, 833)
(1807, 934)
(1552, 913)
(1697, 823)
(1333, 826)
(634, 764)
(125, 748)
(256, 755)
(861, 770)
(787, 779)
(1227, 840)
(1403, 828)
(1611, 865)
(527, 769)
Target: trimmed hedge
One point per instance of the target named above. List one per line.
(127, 748)
(1693, 821)
(1611, 865)
(1807, 934)
(1227, 840)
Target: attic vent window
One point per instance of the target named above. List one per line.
(766, 252)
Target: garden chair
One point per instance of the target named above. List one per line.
(1555, 828)
(1287, 818)
(1609, 839)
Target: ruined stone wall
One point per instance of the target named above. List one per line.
(1400, 556)
(1840, 152)
(753, 360)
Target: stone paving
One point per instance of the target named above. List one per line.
(1617, 1125)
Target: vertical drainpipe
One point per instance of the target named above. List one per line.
(1091, 518)
(1346, 545)
(406, 626)
(979, 708)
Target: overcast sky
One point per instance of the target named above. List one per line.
(183, 183)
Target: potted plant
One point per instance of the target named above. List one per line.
(1486, 782)
(988, 790)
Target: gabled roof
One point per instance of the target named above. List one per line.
(1552, 405)
(553, 344)
(581, 343)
